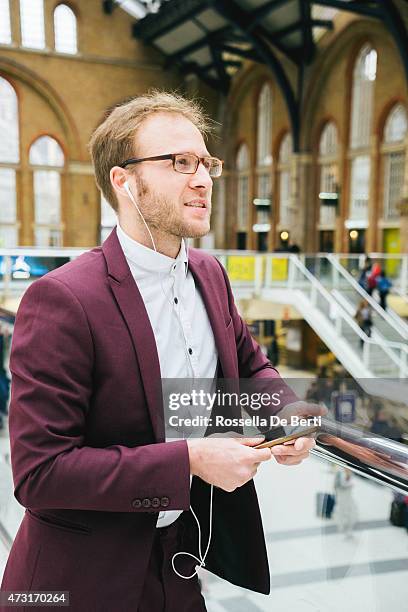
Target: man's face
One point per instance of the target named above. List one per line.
(171, 202)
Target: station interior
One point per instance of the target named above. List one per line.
(310, 107)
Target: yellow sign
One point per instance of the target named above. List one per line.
(241, 268)
(392, 244)
(279, 269)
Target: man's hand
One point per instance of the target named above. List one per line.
(302, 409)
(293, 452)
(227, 463)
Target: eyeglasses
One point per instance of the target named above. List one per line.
(186, 163)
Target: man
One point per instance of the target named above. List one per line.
(104, 491)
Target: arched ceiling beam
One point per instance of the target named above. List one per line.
(244, 53)
(193, 68)
(258, 39)
(175, 13)
(263, 11)
(307, 34)
(352, 7)
(198, 44)
(398, 30)
(219, 66)
(300, 26)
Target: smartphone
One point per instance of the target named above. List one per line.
(306, 431)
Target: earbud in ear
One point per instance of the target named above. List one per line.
(126, 187)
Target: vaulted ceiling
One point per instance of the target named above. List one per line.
(212, 38)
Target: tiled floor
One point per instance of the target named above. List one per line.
(313, 567)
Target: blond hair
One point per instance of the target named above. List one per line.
(114, 140)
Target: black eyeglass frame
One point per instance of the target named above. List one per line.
(172, 156)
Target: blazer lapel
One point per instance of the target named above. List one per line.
(210, 294)
(132, 307)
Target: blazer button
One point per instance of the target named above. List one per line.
(155, 502)
(136, 503)
(146, 503)
(164, 502)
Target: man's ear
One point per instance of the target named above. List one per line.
(118, 177)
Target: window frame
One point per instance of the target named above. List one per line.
(287, 213)
(390, 148)
(8, 40)
(13, 165)
(55, 228)
(328, 165)
(75, 22)
(243, 173)
(24, 30)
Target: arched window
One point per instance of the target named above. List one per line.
(360, 188)
(396, 125)
(8, 123)
(393, 150)
(47, 161)
(364, 74)
(32, 24)
(328, 140)
(264, 131)
(287, 214)
(108, 219)
(5, 26)
(9, 159)
(65, 30)
(242, 167)
(328, 172)
(263, 163)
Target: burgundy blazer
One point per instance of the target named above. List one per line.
(87, 438)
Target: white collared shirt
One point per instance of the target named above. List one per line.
(182, 330)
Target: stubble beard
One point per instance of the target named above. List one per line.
(161, 214)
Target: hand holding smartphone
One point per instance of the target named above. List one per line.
(299, 433)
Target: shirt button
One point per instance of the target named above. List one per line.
(164, 502)
(175, 266)
(176, 300)
(190, 350)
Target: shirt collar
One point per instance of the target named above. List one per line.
(148, 260)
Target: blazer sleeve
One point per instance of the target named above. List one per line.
(52, 368)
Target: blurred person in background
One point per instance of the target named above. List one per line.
(345, 511)
(364, 274)
(373, 277)
(273, 351)
(364, 319)
(383, 287)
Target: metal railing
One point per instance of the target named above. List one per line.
(393, 326)
(251, 272)
(395, 266)
(381, 358)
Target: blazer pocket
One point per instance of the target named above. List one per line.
(58, 523)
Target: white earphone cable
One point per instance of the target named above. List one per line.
(201, 558)
(132, 199)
